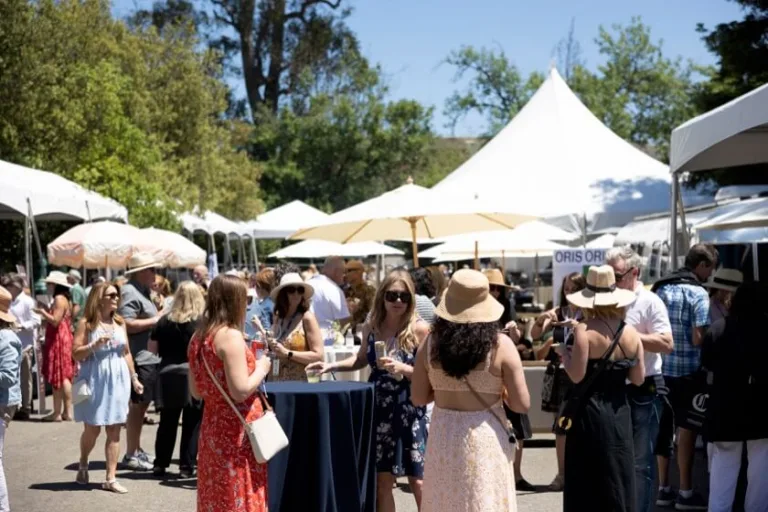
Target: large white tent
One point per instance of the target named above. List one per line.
(283, 221)
(555, 158)
(51, 197)
(323, 248)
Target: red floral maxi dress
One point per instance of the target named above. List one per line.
(228, 477)
(58, 364)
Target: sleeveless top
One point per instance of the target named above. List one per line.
(483, 381)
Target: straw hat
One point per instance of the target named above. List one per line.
(141, 261)
(725, 279)
(601, 290)
(467, 300)
(5, 306)
(58, 278)
(494, 277)
(293, 279)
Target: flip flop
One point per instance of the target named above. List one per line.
(50, 419)
(114, 486)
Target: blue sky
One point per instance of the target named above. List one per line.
(411, 38)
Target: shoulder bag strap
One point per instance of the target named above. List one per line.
(503, 421)
(264, 401)
(584, 388)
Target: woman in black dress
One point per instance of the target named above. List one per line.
(599, 454)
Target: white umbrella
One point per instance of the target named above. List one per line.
(523, 239)
(323, 248)
(172, 249)
(95, 245)
(412, 211)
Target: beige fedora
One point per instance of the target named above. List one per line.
(467, 300)
(495, 278)
(141, 261)
(293, 279)
(601, 290)
(58, 278)
(728, 279)
(5, 306)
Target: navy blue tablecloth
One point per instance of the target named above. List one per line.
(329, 465)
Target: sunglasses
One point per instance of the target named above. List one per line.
(111, 296)
(294, 289)
(404, 297)
(618, 277)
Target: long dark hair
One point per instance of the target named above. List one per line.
(577, 278)
(459, 348)
(62, 290)
(281, 304)
(749, 308)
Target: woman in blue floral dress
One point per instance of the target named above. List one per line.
(400, 427)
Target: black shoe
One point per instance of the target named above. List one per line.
(695, 502)
(186, 472)
(666, 498)
(159, 472)
(524, 485)
(21, 416)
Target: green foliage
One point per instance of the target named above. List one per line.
(131, 112)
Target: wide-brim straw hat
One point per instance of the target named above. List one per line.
(495, 278)
(728, 279)
(58, 278)
(5, 306)
(467, 300)
(141, 261)
(293, 279)
(601, 290)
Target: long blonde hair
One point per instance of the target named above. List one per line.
(188, 303)
(406, 338)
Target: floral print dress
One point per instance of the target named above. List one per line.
(400, 427)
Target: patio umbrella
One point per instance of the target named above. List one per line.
(172, 249)
(94, 245)
(323, 248)
(410, 211)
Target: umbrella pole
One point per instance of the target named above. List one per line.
(477, 256)
(415, 245)
(536, 277)
(503, 265)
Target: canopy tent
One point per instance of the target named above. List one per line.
(49, 196)
(605, 241)
(283, 221)
(211, 224)
(746, 214)
(410, 210)
(555, 158)
(324, 248)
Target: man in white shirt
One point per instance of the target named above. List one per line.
(29, 323)
(648, 315)
(329, 303)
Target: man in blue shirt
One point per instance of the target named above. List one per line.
(687, 303)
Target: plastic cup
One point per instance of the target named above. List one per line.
(313, 376)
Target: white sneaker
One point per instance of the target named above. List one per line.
(135, 463)
(141, 454)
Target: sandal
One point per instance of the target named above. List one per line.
(150, 421)
(82, 475)
(558, 484)
(51, 419)
(114, 486)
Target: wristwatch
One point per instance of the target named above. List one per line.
(290, 354)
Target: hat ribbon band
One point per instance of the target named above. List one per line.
(726, 282)
(601, 289)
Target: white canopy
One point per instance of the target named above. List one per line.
(283, 221)
(324, 248)
(211, 223)
(602, 242)
(746, 214)
(556, 158)
(51, 197)
(731, 135)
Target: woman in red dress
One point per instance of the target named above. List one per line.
(228, 477)
(58, 366)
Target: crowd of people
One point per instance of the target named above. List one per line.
(625, 364)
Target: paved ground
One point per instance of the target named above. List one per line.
(41, 462)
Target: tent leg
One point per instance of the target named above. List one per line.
(504, 266)
(536, 277)
(673, 223)
(477, 256)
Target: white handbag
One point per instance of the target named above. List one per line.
(265, 434)
(81, 391)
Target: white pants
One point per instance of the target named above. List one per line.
(724, 473)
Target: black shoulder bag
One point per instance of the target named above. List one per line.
(574, 403)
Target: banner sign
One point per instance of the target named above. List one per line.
(567, 261)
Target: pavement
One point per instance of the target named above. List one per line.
(40, 462)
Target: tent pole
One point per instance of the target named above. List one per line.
(673, 223)
(28, 257)
(477, 256)
(414, 244)
(536, 276)
(503, 265)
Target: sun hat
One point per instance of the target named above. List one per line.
(495, 278)
(75, 274)
(58, 278)
(5, 306)
(601, 290)
(141, 261)
(468, 300)
(292, 279)
(728, 279)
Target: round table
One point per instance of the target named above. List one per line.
(339, 353)
(329, 463)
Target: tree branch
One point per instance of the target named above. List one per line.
(302, 12)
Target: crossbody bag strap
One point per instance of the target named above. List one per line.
(262, 397)
(601, 364)
(504, 422)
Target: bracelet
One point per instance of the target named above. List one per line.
(135, 376)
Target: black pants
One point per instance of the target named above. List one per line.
(166, 435)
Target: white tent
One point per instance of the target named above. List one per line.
(50, 196)
(283, 221)
(602, 242)
(555, 158)
(731, 135)
(323, 248)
